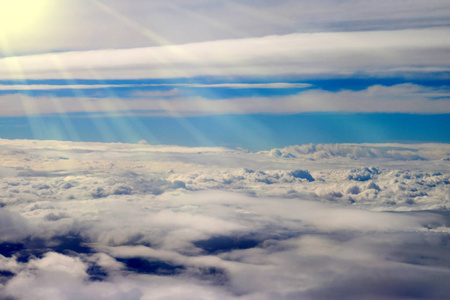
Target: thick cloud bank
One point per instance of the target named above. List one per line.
(122, 221)
(343, 53)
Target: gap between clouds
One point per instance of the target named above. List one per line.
(402, 98)
(50, 87)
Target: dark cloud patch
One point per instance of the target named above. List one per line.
(132, 183)
(122, 190)
(37, 247)
(303, 174)
(69, 244)
(96, 272)
(354, 190)
(8, 249)
(215, 275)
(363, 174)
(32, 173)
(146, 266)
(98, 192)
(55, 217)
(5, 276)
(220, 244)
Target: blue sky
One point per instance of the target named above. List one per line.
(248, 74)
(253, 132)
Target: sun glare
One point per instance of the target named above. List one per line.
(19, 16)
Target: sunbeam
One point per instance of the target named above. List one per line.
(151, 35)
(131, 126)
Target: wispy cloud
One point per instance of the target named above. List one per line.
(404, 98)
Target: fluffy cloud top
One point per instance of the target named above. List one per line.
(122, 221)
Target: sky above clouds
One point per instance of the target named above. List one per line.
(149, 61)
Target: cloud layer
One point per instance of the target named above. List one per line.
(87, 25)
(343, 53)
(123, 221)
(402, 98)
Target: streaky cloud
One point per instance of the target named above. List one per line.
(401, 98)
(340, 53)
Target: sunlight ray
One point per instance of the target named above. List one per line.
(260, 15)
(131, 125)
(179, 118)
(30, 108)
(153, 36)
(171, 111)
(178, 51)
(72, 133)
(101, 126)
(208, 21)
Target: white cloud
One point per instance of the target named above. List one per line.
(228, 232)
(363, 151)
(404, 98)
(116, 24)
(372, 52)
(13, 227)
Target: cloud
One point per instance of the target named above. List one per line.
(363, 151)
(402, 98)
(136, 221)
(87, 25)
(43, 87)
(13, 226)
(341, 53)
